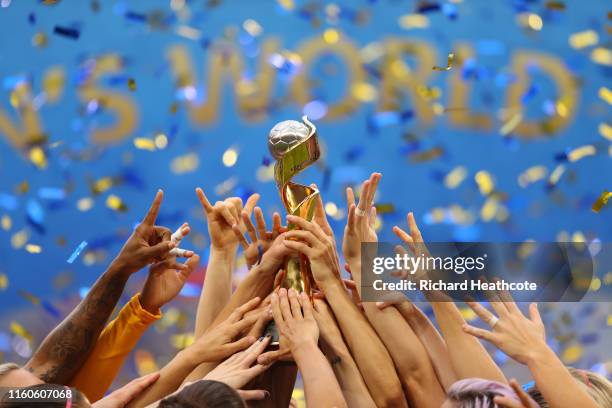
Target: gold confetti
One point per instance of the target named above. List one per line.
(143, 143)
(185, 164)
(252, 27)
(485, 182)
(364, 92)
(468, 314)
(23, 187)
(33, 248)
(39, 40)
(4, 281)
(601, 201)
(161, 141)
(426, 155)
(601, 56)
(605, 130)
(38, 157)
(101, 185)
(114, 203)
(581, 152)
(85, 204)
(583, 39)
(33, 299)
(19, 238)
(230, 157)
(174, 107)
(572, 354)
(531, 175)
(449, 63)
(331, 36)
(511, 124)
(18, 330)
(6, 222)
(605, 94)
(132, 84)
(455, 177)
(53, 84)
(556, 175)
(410, 21)
(531, 21)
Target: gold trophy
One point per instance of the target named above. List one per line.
(294, 145)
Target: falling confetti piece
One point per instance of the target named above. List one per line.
(511, 124)
(581, 152)
(572, 354)
(77, 252)
(455, 177)
(145, 362)
(143, 143)
(18, 330)
(115, 203)
(33, 299)
(531, 175)
(4, 281)
(605, 94)
(601, 201)
(67, 32)
(33, 248)
(555, 5)
(230, 157)
(185, 164)
(583, 39)
(485, 182)
(449, 63)
(132, 84)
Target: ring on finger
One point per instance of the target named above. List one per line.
(493, 321)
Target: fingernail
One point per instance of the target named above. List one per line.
(261, 338)
(266, 394)
(291, 292)
(268, 336)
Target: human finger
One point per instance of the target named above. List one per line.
(294, 304)
(151, 215)
(208, 208)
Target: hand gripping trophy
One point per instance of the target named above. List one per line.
(294, 145)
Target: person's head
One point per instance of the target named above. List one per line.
(204, 394)
(11, 375)
(77, 399)
(477, 393)
(597, 386)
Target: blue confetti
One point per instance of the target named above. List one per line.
(77, 252)
(8, 201)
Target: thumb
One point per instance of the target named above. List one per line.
(192, 263)
(253, 394)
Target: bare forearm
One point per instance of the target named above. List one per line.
(409, 355)
(435, 346)
(369, 353)
(347, 373)
(217, 288)
(170, 378)
(555, 382)
(65, 349)
(320, 384)
(467, 355)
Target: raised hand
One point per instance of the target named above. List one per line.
(122, 397)
(147, 244)
(165, 281)
(320, 249)
(220, 341)
(516, 335)
(223, 216)
(238, 370)
(360, 222)
(261, 239)
(295, 320)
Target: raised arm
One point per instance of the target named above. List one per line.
(468, 356)
(351, 382)
(295, 320)
(371, 356)
(221, 218)
(524, 340)
(214, 346)
(408, 353)
(65, 349)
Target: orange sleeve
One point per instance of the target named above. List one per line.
(116, 341)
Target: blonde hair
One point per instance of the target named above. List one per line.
(7, 368)
(596, 385)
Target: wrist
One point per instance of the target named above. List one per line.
(538, 355)
(304, 349)
(228, 251)
(149, 306)
(118, 268)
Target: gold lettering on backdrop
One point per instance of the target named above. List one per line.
(252, 95)
(122, 105)
(30, 131)
(398, 78)
(565, 106)
(460, 114)
(310, 51)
